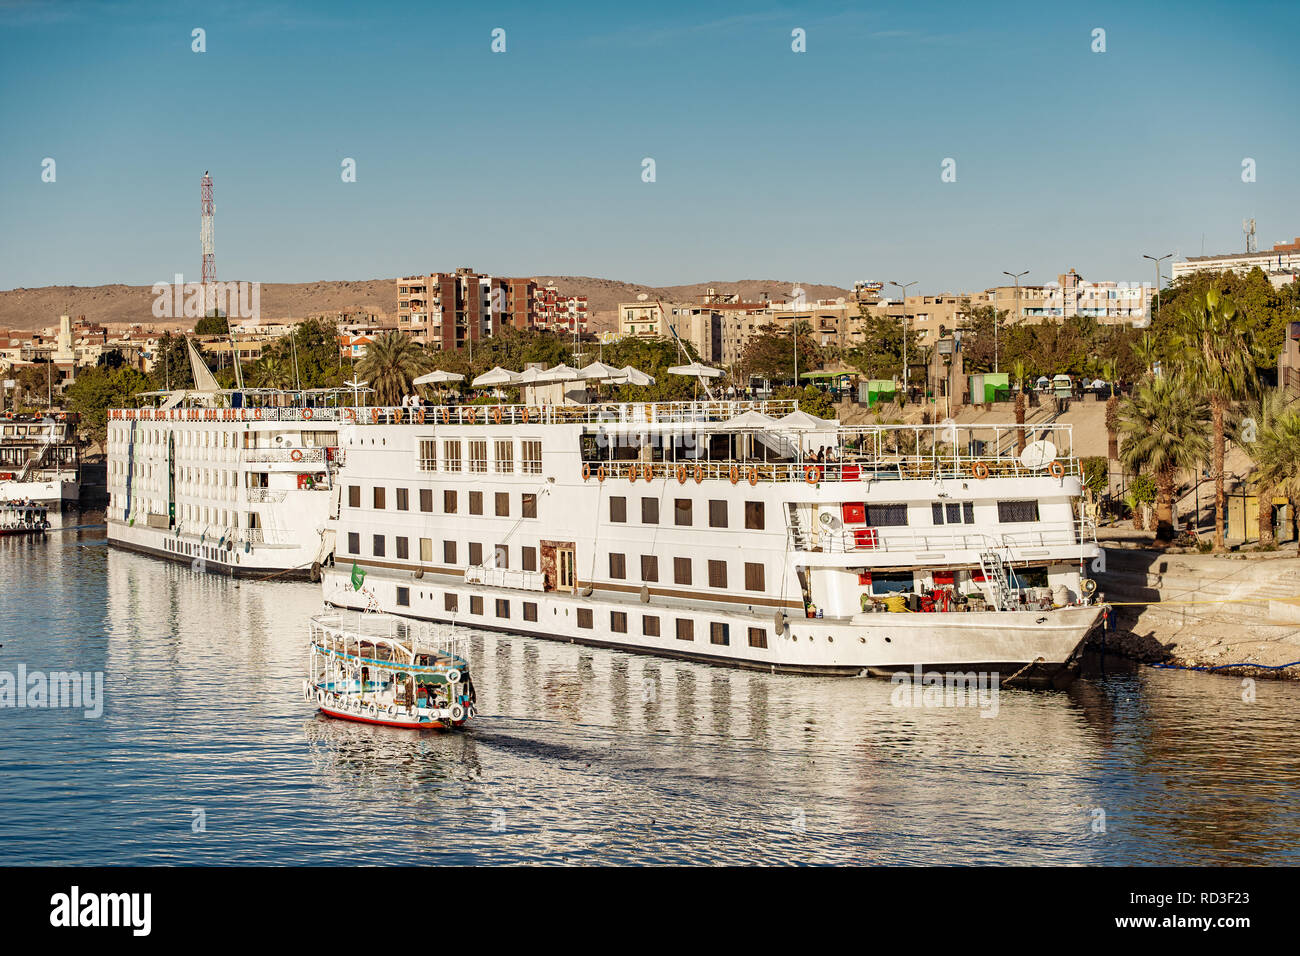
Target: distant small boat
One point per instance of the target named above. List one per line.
(383, 669)
(23, 517)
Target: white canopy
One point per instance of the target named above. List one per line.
(750, 419)
(599, 370)
(695, 369)
(439, 377)
(634, 376)
(799, 420)
(497, 376)
(560, 373)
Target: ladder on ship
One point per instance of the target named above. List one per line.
(995, 576)
(35, 461)
(796, 529)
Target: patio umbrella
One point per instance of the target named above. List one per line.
(633, 376)
(439, 377)
(600, 371)
(497, 376)
(799, 420)
(695, 369)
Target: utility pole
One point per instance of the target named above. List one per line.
(1020, 313)
(1167, 255)
(903, 287)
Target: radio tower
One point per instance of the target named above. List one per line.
(206, 236)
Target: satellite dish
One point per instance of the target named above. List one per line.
(830, 522)
(1038, 455)
(642, 297)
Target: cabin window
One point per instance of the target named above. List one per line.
(503, 608)
(649, 568)
(354, 542)
(528, 505)
(717, 574)
(886, 516)
(682, 512)
(719, 633)
(428, 454)
(505, 452)
(378, 497)
(503, 504)
(475, 604)
(754, 517)
(426, 550)
(753, 576)
(379, 545)
(475, 554)
(354, 496)
(717, 514)
(895, 583)
(649, 625)
(426, 499)
(451, 456)
(478, 456)
(530, 611)
(953, 512)
(1031, 577)
(758, 637)
(649, 510)
(1010, 512)
(685, 629)
(618, 622)
(449, 502)
(404, 597)
(617, 566)
(449, 552)
(501, 556)
(528, 558)
(403, 547)
(681, 570)
(403, 499)
(450, 602)
(530, 456)
(617, 509)
(476, 502)
(584, 617)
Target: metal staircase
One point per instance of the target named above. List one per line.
(995, 577)
(35, 461)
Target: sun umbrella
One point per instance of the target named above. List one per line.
(439, 377)
(599, 370)
(497, 376)
(633, 376)
(750, 419)
(799, 420)
(695, 369)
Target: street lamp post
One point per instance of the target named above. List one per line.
(1168, 255)
(1019, 310)
(903, 287)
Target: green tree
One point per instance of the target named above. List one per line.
(391, 362)
(1164, 427)
(1257, 431)
(770, 354)
(1276, 451)
(98, 389)
(171, 366)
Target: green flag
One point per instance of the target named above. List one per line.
(358, 576)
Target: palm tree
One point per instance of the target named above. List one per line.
(1147, 353)
(391, 362)
(1265, 433)
(270, 371)
(1164, 425)
(1220, 351)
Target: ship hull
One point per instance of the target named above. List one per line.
(55, 495)
(288, 564)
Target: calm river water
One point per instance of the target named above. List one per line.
(206, 753)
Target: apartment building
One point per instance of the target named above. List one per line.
(452, 310)
(1281, 263)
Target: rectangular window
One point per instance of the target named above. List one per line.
(617, 509)
(886, 516)
(403, 546)
(379, 498)
(478, 456)
(476, 502)
(719, 633)
(754, 517)
(530, 455)
(354, 543)
(618, 622)
(649, 568)
(682, 512)
(717, 574)
(476, 604)
(649, 625)
(426, 550)
(584, 618)
(426, 499)
(475, 554)
(403, 499)
(681, 570)
(953, 512)
(758, 637)
(501, 556)
(899, 582)
(1013, 511)
(530, 611)
(449, 552)
(449, 502)
(450, 602)
(753, 576)
(528, 505)
(685, 629)
(717, 514)
(451, 455)
(503, 608)
(505, 456)
(428, 454)
(649, 510)
(528, 558)
(404, 597)
(379, 545)
(617, 566)
(503, 504)
(354, 496)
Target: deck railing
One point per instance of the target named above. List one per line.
(505, 578)
(894, 539)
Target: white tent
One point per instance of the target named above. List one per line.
(750, 420)
(799, 420)
(599, 371)
(439, 377)
(560, 373)
(634, 376)
(695, 369)
(497, 376)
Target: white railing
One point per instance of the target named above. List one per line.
(505, 578)
(895, 539)
(294, 456)
(261, 496)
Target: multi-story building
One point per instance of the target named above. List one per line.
(1281, 263)
(451, 310)
(553, 311)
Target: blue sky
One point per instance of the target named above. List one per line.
(822, 166)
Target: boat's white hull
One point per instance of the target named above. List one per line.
(289, 562)
(55, 494)
(1035, 645)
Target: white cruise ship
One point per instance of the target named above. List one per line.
(40, 460)
(709, 531)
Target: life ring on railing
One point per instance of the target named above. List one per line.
(306, 690)
(320, 698)
(1056, 470)
(681, 474)
(752, 476)
(349, 413)
(980, 470)
(586, 471)
(257, 414)
(496, 414)
(296, 454)
(812, 474)
(631, 473)
(372, 711)
(421, 418)
(453, 676)
(390, 711)
(446, 416)
(699, 473)
(308, 414)
(374, 416)
(473, 415)
(733, 473)
(457, 713)
(528, 414)
(600, 473)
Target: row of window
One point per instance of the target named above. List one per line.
(684, 512)
(683, 571)
(895, 515)
(719, 631)
(450, 501)
(503, 458)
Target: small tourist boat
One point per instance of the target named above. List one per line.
(23, 517)
(383, 669)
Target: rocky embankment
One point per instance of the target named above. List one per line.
(1204, 610)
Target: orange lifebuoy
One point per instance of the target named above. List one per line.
(308, 414)
(528, 414)
(473, 415)
(374, 416)
(734, 474)
(1056, 469)
(496, 415)
(349, 413)
(422, 416)
(699, 473)
(753, 476)
(631, 472)
(257, 414)
(600, 473)
(586, 471)
(980, 470)
(446, 417)
(812, 474)
(681, 474)
(296, 455)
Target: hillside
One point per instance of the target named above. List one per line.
(28, 309)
